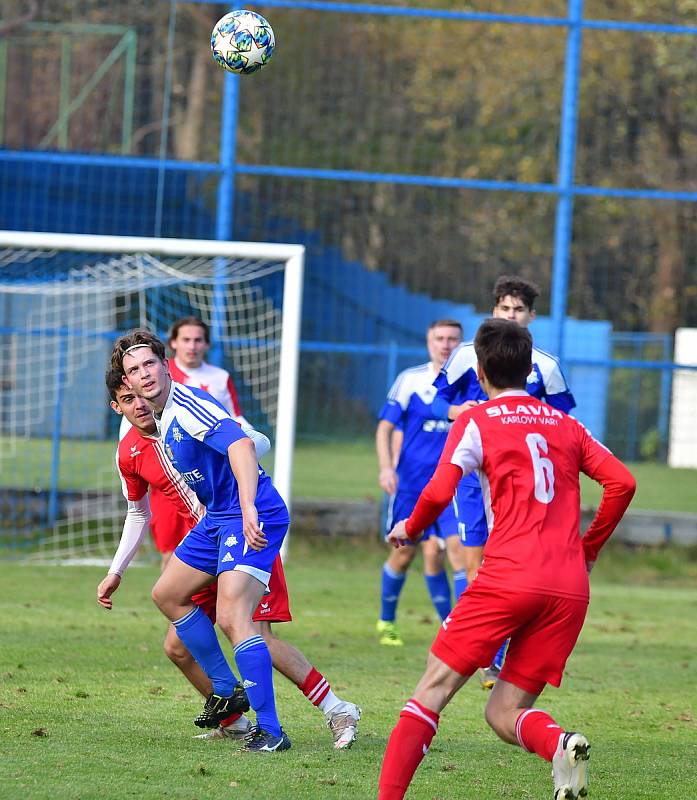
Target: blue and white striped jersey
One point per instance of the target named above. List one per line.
(196, 431)
(408, 406)
(457, 381)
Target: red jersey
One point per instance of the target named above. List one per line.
(175, 509)
(528, 456)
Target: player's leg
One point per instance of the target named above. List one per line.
(177, 653)
(435, 576)
(418, 723)
(341, 716)
(193, 566)
(164, 559)
(394, 573)
(449, 531)
(511, 715)
(233, 726)
(537, 656)
(474, 531)
(243, 576)
(464, 641)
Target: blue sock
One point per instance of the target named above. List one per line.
(459, 582)
(499, 657)
(439, 589)
(254, 663)
(198, 634)
(392, 584)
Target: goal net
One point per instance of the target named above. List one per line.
(64, 299)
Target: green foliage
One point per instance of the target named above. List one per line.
(92, 708)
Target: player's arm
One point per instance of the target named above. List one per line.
(618, 485)
(436, 495)
(461, 455)
(134, 527)
(557, 392)
(243, 462)
(262, 443)
(455, 382)
(387, 477)
(391, 418)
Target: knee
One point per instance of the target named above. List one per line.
(158, 596)
(491, 717)
(399, 560)
(230, 621)
(175, 650)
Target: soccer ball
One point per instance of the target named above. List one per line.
(242, 42)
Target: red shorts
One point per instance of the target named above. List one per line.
(168, 526)
(273, 607)
(543, 630)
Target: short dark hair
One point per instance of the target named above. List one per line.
(446, 323)
(513, 286)
(504, 353)
(180, 323)
(138, 337)
(114, 382)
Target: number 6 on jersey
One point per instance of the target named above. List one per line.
(542, 467)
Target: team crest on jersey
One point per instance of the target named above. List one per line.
(135, 451)
(170, 453)
(177, 434)
(231, 541)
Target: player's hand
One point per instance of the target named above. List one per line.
(252, 530)
(106, 588)
(398, 537)
(455, 411)
(388, 480)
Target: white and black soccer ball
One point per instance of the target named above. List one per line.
(242, 42)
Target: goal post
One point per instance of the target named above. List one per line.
(64, 299)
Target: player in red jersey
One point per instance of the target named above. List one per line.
(533, 583)
(189, 340)
(172, 511)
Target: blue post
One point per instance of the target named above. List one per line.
(224, 227)
(565, 174)
(57, 419)
(664, 403)
(392, 353)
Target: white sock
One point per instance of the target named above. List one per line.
(330, 702)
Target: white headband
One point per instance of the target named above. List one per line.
(134, 347)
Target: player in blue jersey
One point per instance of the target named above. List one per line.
(408, 411)
(457, 385)
(237, 540)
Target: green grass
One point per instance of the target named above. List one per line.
(91, 708)
(329, 470)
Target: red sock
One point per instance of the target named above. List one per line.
(229, 720)
(315, 687)
(408, 744)
(538, 733)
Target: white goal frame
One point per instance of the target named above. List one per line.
(293, 257)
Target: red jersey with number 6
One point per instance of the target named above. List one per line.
(528, 456)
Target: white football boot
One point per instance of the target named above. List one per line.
(570, 767)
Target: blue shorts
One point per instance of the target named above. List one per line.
(471, 518)
(215, 546)
(402, 504)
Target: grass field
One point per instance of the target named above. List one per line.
(90, 707)
(330, 470)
